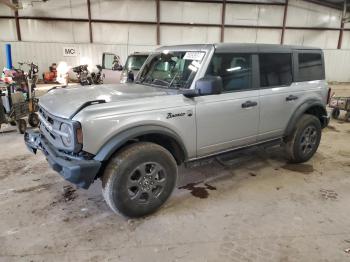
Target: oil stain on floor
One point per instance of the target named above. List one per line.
(199, 191)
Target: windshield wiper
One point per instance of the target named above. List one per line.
(143, 79)
(160, 81)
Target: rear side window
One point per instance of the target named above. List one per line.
(275, 69)
(234, 69)
(310, 67)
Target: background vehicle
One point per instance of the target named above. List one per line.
(132, 66)
(115, 73)
(97, 77)
(187, 103)
(83, 74)
(111, 68)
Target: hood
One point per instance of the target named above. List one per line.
(64, 102)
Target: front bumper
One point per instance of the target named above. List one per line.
(76, 170)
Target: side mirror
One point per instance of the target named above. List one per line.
(131, 77)
(209, 85)
(189, 92)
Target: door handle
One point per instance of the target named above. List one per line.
(248, 104)
(291, 98)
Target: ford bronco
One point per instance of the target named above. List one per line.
(187, 103)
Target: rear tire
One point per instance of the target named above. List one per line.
(347, 116)
(305, 139)
(33, 119)
(335, 113)
(139, 179)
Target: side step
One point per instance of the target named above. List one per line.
(233, 156)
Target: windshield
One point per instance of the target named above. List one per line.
(171, 69)
(135, 62)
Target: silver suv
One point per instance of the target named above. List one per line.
(187, 103)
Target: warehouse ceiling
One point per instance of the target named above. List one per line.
(339, 4)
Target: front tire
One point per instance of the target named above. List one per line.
(21, 126)
(305, 139)
(33, 119)
(139, 179)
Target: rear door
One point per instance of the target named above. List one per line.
(230, 119)
(278, 95)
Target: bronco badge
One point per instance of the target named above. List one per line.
(171, 115)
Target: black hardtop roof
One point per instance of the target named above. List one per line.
(240, 47)
(261, 47)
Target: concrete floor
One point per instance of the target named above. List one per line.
(257, 208)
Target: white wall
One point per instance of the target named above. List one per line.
(56, 8)
(130, 10)
(54, 31)
(205, 13)
(174, 35)
(43, 41)
(301, 13)
(337, 65)
(124, 34)
(240, 14)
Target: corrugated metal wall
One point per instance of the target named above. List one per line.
(337, 65)
(44, 54)
(43, 41)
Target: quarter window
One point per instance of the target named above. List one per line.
(234, 69)
(310, 67)
(275, 69)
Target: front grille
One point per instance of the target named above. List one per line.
(50, 129)
(45, 127)
(50, 126)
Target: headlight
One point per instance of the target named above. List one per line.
(67, 136)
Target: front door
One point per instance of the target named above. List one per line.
(230, 119)
(111, 68)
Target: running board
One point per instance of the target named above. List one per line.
(232, 153)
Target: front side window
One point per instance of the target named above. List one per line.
(275, 69)
(171, 69)
(135, 62)
(310, 67)
(235, 70)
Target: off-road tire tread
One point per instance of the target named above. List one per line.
(31, 119)
(114, 162)
(290, 143)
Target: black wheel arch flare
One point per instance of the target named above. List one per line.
(144, 132)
